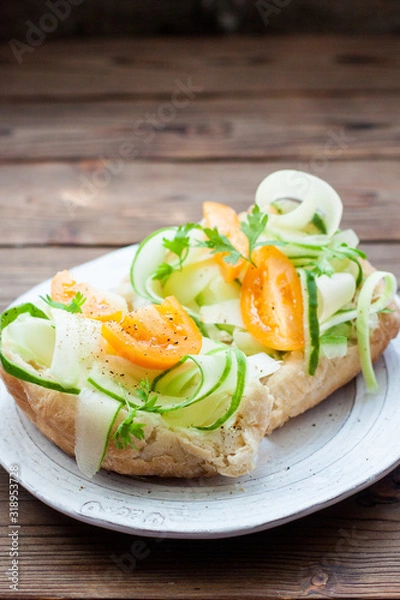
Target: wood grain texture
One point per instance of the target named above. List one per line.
(209, 66)
(357, 127)
(118, 203)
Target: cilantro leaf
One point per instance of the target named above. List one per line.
(75, 306)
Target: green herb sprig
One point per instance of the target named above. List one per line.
(75, 306)
(129, 429)
(253, 227)
(323, 265)
(179, 246)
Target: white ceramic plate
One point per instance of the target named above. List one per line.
(340, 447)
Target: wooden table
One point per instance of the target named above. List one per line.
(104, 141)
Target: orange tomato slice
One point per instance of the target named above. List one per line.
(96, 306)
(272, 301)
(226, 220)
(156, 336)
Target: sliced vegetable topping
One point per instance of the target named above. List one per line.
(309, 196)
(227, 223)
(91, 302)
(25, 371)
(156, 336)
(310, 318)
(369, 303)
(271, 301)
(96, 414)
(179, 246)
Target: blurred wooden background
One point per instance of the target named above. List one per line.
(191, 17)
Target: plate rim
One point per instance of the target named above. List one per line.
(204, 533)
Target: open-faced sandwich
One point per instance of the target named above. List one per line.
(223, 331)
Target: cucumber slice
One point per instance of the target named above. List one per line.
(311, 323)
(334, 292)
(218, 290)
(202, 391)
(96, 414)
(31, 376)
(31, 338)
(9, 315)
(366, 308)
(189, 382)
(237, 394)
(212, 371)
(333, 346)
(313, 195)
(26, 372)
(77, 346)
(150, 255)
(226, 312)
(189, 284)
(248, 344)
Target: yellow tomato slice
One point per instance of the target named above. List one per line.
(226, 220)
(96, 306)
(272, 301)
(156, 336)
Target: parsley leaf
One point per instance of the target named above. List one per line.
(179, 246)
(143, 393)
(128, 429)
(218, 242)
(75, 306)
(254, 226)
(163, 272)
(323, 265)
(181, 242)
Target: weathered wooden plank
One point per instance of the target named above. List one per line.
(241, 65)
(118, 203)
(349, 550)
(22, 268)
(335, 128)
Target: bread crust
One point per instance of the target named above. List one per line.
(294, 391)
(165, 452)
